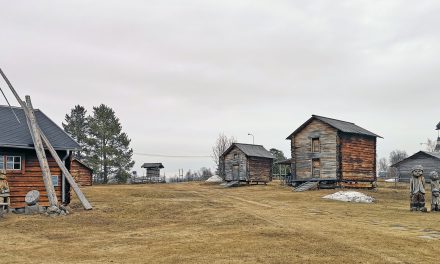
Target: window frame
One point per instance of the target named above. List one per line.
(313, 150)
(13, 162)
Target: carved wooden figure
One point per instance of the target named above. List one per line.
(4, 186)
(417, 189)
(435, 189)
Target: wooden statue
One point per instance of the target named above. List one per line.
(417, 189)
(4, 186)
(435, 191)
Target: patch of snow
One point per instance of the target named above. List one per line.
(350, 196)
(214, 178)
(390, 180)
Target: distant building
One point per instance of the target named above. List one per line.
(81, 173)
(329, 150)
(429, 160)
(152, 173)
(248, 163)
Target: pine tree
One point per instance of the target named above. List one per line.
(77, 127)
(110, 152)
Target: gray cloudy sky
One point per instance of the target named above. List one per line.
(179, 72)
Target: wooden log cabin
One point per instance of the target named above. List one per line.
(18, 157)
(429, 160)
(82, 173)
(331, 151)
(152, 173)
(246, 163)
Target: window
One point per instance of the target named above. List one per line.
(13, 163)
(2, 162)
(236, 156)
(316, 146)
(316, 168)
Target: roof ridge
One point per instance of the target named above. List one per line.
(333, 119)
(17, 107)
(247, 144)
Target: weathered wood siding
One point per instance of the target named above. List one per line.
(81, 174)
(240, 161)
(302, 154)
(260, 169)
(358, 157)
(429, 164)
(30, 177)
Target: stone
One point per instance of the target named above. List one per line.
(32, 209)
(32, 197)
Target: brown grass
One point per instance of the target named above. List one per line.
(196, 223)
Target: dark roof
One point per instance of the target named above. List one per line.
(285, 162)
(432, 154)
(343, 126)
(251, 150)
(83, 164)
(438, 126)
(17, 135)
(152, 165)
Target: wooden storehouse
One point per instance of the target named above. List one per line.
(82, 173)
(152, 173)
(247, 163)
(328, 150)
(18, 157)
(429, 160)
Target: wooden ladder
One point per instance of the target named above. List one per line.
(306, 186)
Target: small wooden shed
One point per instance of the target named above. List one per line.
(152, 173)
(332, 151)
(82, 173)
(19, 159)
(429, 160)
(246, 162)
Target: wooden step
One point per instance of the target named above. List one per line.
(306, 186)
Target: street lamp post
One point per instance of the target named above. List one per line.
(253, 138)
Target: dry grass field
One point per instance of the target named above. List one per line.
(197, 223)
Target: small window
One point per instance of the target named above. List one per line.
(316, 146)
(13, 163)
(236, 156)
(2, 162)
(316, 168)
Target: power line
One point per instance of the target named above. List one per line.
(170, 156)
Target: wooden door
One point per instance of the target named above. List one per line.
(316, 168)
(235, 172)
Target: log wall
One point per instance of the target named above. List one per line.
(30, 176)
(260, 169)
(358, 157)
(301, 147)
(230, 161)
(81, 174)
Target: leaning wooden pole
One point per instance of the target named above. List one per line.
(39, 149)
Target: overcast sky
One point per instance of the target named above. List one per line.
(178, 73)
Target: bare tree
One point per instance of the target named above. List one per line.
(382, 165)
(430, 145)
(397, 155)
(221, 145)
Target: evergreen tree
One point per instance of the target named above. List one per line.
(110, 152)
(77, 127)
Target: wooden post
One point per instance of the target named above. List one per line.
(39, 148)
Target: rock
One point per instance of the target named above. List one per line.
(52, 210)
(32, 197)
(63, 213)
(19, 210)
(32, 209)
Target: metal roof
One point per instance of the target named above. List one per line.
(251, 150)
(152, 165)
(343, 126)
(17, 135)
(432, 154)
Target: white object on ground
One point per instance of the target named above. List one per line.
(391, 180)
(350, 196)
(214, 178)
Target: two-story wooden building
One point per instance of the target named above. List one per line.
(247, 163)
(18, 157)
(332, 151)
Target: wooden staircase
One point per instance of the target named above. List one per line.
(306, 187)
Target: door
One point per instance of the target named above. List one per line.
(316, 168)
(235, 172)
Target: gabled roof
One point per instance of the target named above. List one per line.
(251, 150)
(431, 154)
(17, 135)
(438, 126)
(343, 126)
(152, 165)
